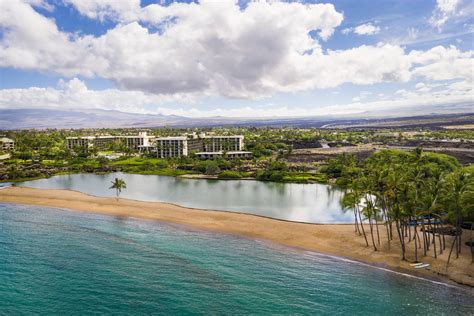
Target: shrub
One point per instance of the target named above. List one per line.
(26, 155)
(268, 175)
(276, 176)
(161, 164)
(229, 174)
(212, 168)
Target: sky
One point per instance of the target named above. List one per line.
(238, 58)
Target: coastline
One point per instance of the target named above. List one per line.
(331, 239)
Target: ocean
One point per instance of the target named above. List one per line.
(64, 262)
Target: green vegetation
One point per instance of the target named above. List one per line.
(301, 177)
(416, 196)
(118, 184)
(451, 134)
(413, 194)
(230, 174)
(42, 153)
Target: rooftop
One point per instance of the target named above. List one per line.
(221, 152)
(110, 136)
(218, 136)
(81, 137)
(172, 138)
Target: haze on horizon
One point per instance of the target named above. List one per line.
(237, 58)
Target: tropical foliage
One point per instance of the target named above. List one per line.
(419, 197)
(118, 184)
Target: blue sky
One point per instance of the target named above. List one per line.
(238, 59)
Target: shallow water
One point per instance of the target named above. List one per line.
(313, 203)
(63, 262)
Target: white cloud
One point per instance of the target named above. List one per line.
(363, 29)
(42, 4)
(74, 94)
(38, 44)
(211, 48)
(441, 63)
(445, 9)
(117, 10)
(447, 6)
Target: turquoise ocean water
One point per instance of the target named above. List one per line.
(64, 262)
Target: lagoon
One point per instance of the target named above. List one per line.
(311, 203)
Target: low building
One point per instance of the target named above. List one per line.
(7, 144)
(179, 146)
(222, 143)
(239, 154)
(171, 147)
(223, 154)
(79, 142)
(101, 142)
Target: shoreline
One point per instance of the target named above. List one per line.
(337, 240)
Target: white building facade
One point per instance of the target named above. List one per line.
(7, 144)
(101, 142)
(204, 147)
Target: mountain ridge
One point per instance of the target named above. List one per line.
(93, 118)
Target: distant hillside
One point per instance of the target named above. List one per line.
(47, 118)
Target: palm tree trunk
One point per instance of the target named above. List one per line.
(355, 223)
(388, 235)
(424, 239)
(434, 240)
(459, 231)
(416, 244)
(472, 243)
(402, 227)
(409, 229)
(440, 242)
(444, 242)
(402, 241)
(362, 226)
(451, 251)
(372, 233)
(377, 227)
(458, 245)
(375, 218)
(391, 231)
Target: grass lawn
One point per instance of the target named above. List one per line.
(134, 161)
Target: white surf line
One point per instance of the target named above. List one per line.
(384, 269)
(313, 254)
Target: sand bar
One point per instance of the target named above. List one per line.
(332, 239)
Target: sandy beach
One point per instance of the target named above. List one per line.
(337, 240)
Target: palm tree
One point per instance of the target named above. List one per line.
(349, 201)
(458, 200)
(352, 199)
(118, 184)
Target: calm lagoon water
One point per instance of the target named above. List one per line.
(67, 263)
(313, 203)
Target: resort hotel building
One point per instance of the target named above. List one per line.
(101, 142)
(169, 147)
(6, 144)
(202, 146)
